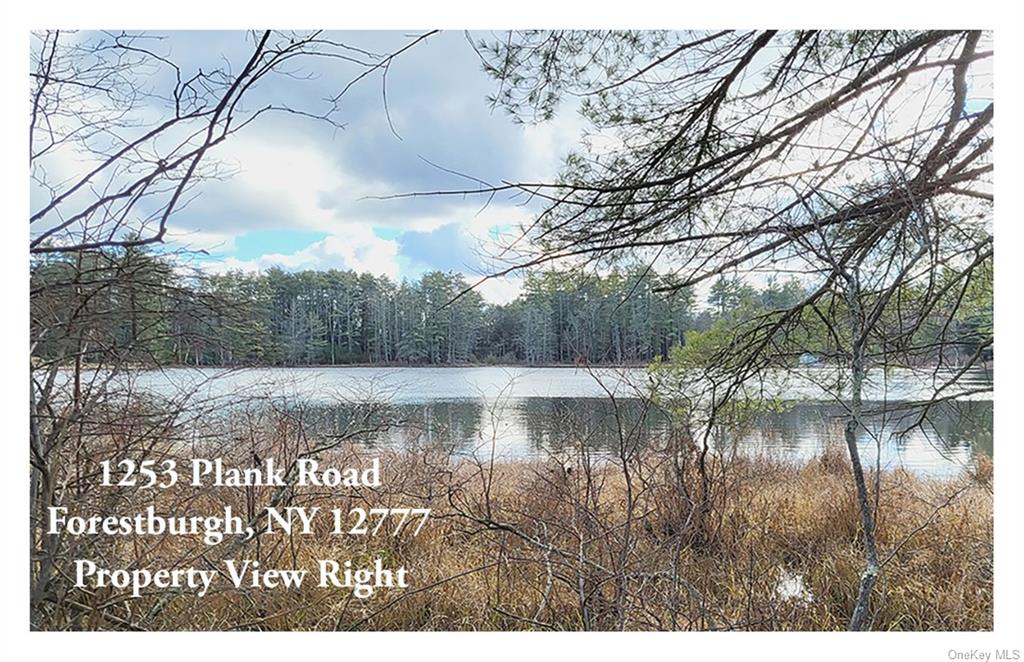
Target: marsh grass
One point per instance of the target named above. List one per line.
(569, 544)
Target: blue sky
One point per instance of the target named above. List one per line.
(301, 193)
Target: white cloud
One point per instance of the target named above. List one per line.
(290, 180)
(546, 144)
(498, 290)
(358, 248)
(201, 240)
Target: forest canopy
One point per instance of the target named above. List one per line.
(146, 309)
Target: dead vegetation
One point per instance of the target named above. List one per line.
(577, 543)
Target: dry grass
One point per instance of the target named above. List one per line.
(583, 545)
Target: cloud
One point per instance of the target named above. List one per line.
(500, 290)
(358, 248)
(301, 194)
(216, 243)
(447, 248)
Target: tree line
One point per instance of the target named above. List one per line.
(148, 310)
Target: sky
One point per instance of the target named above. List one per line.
(301, 193)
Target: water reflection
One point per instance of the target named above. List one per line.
(939, 441)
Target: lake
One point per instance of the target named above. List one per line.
(521, 412)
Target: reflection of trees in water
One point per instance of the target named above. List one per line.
(449, 424)
(544, 425)
(554, 424)
(452, 424)
(947, 425)
(966, 424)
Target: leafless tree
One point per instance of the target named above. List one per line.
(859, 160)
(121, 137)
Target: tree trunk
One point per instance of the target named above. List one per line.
(853, 423)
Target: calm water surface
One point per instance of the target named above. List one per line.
(530, 412)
